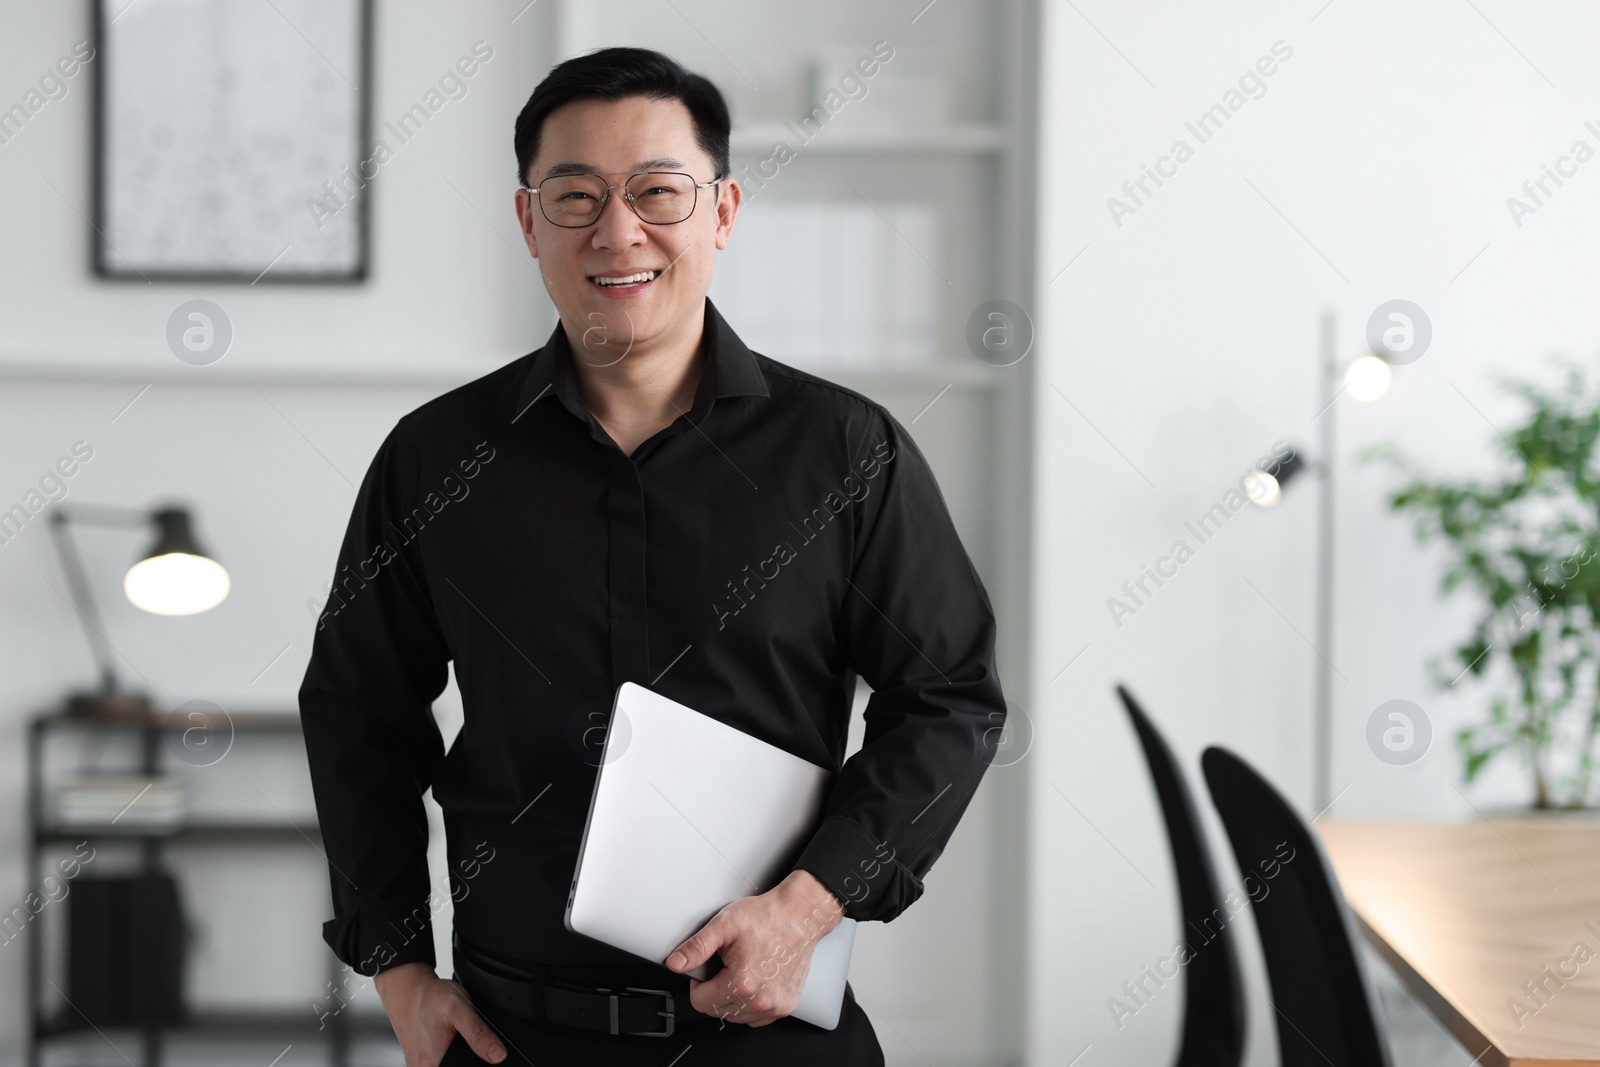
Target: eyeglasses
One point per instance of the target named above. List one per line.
(658, 197)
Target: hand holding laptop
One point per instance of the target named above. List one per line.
(667, 864)
(765, 943)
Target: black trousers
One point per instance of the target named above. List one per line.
(700, 1041)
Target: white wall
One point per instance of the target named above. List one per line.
(1383, 151)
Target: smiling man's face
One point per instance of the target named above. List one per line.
(616, 139)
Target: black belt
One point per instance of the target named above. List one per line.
(533, 995)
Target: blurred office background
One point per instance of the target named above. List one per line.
(1160, 347)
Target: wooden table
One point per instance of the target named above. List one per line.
(1467, 913)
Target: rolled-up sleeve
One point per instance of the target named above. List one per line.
(378, 661)
(918, 627)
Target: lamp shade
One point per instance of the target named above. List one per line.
(1288, 469)
(175, 577)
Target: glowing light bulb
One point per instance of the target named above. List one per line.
(1262, 489)
(1368, 378)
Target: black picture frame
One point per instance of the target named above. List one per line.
(235, 252)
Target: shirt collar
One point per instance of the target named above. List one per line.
(733, 368)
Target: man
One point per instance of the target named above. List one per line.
(643, 499)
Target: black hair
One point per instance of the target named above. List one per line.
(616, 73)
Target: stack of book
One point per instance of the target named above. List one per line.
(129, 803)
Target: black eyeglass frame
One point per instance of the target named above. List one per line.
(626, 196)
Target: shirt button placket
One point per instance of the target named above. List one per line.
(630, 638)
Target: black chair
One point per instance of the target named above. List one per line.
(1213, 1011)
(1324, 1007)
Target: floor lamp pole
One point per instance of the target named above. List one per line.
(1322, 698)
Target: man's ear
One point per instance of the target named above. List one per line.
(525, 208)
(729, 198)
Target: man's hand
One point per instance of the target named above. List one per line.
(427, 1012)
(765, 943)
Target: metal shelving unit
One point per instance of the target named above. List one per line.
(150, 735)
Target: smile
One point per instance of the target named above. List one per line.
(637, 280)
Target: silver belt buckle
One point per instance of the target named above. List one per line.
(669, 1014)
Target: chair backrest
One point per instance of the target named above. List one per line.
(1324, 1006)
(1213, 1012)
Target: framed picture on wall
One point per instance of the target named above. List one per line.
(230, 139)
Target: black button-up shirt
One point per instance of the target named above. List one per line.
(749, 560)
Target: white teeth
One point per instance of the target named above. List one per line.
(642, 276)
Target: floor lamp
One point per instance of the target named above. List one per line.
(1365, 378)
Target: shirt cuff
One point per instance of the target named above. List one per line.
(381, 934)
(860, 870)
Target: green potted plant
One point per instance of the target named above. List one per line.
(1526, 542)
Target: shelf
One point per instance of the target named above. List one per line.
(102, 369)
(966, 372)
(757, 138)
(240, 1021)
(204, 833)
(242, 722)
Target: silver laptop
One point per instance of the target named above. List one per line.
(688, 815)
